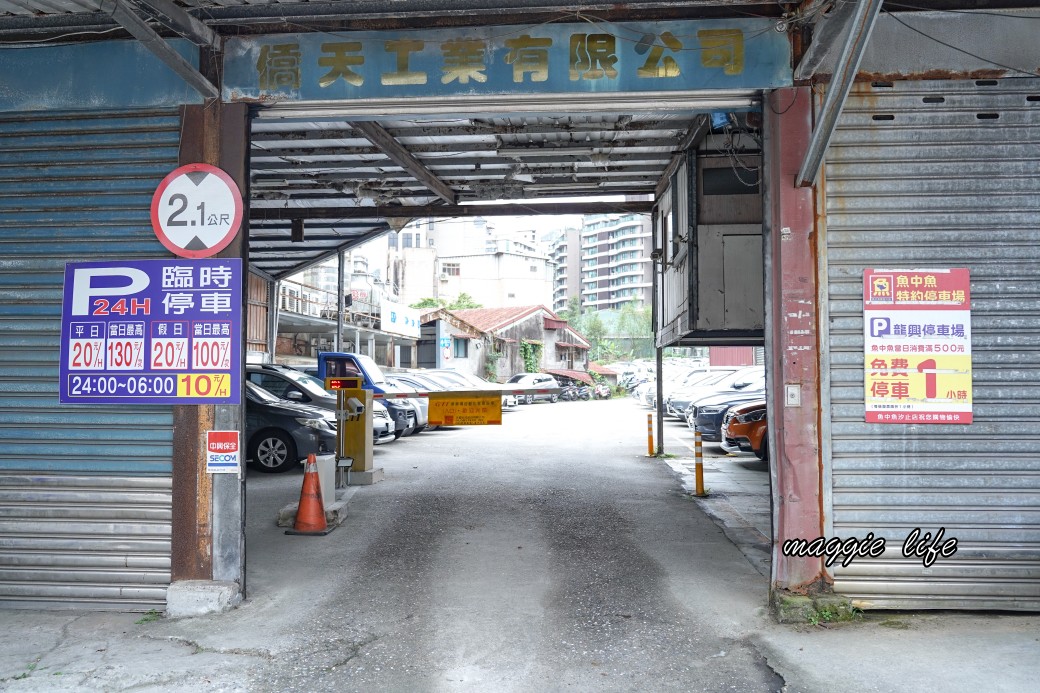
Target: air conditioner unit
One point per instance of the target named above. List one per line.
(444, 277)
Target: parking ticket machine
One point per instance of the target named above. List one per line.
(353, 431)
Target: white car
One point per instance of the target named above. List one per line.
(477, 382)
(539, 380)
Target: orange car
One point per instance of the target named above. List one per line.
(744, 428)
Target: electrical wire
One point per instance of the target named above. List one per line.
(959, 50)
(34, 43)
(979, 12)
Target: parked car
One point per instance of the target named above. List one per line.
(726, 381)
(294, 385)
(477, 382)
(705, 415)
(382, 424)
(744, 428)
(420, 404)
(341, 364)
(692, 378)
(539, 380)
(280, 433)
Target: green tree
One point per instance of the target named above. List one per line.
(572, 313)
(463, 301)
(595, 331)
(635, 325)
(428, 303)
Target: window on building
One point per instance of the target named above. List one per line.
(406, 240)
(452, 269)
(460, 347)
(391, 240)
(534, 268)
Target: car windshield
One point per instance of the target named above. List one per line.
(312, 385)
(453, 377)
(259, 394)
(742, 378)
(446, 383)
(371, 368)
(421, 382)
(517, 378)
(473, 379)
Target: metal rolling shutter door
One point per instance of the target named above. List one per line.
(85, 491)
(939, 174)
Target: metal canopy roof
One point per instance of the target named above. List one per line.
(324, 179)
(345, 186)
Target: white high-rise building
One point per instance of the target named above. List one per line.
(607, 262)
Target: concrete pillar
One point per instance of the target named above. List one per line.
(792, 343)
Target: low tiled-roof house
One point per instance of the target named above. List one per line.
(491, 342)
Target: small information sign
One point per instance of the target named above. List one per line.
(453, 409)
(151, 332)
(342, 383)
(222, 452)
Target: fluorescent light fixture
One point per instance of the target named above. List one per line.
(547, 151)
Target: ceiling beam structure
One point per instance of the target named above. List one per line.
(139, 29)
(441, 211)
(397, 153)
(697, 132)
(177, 18)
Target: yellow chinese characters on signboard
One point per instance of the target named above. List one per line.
(454, 409)
(917, 346)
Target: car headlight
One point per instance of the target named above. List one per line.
(317, 424)
(756, 415)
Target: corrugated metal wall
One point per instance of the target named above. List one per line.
(939, 174)
(84, 490)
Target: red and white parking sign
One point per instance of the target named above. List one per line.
(222, 451)
(197, 211)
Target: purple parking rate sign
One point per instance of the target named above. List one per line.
(152, 332)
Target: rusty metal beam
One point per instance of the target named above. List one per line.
(826, 34)
(140, 30)
(405, 159)
(175, 17)
(425, 211)
(838, 90)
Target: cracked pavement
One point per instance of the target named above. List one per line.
(547, 554)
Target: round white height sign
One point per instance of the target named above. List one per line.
(196, 211)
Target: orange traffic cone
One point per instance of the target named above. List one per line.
(310, 515)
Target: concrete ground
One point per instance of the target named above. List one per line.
(548, 554)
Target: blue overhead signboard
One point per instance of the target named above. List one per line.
(546, 58)
(116, 75)
(152, 332)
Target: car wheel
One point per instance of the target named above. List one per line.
(272, 452)
(763, 452)
(553, 398)
(530, 399)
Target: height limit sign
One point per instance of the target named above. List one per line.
(196, 211)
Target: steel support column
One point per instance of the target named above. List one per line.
(208, 540)
(792, 344)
